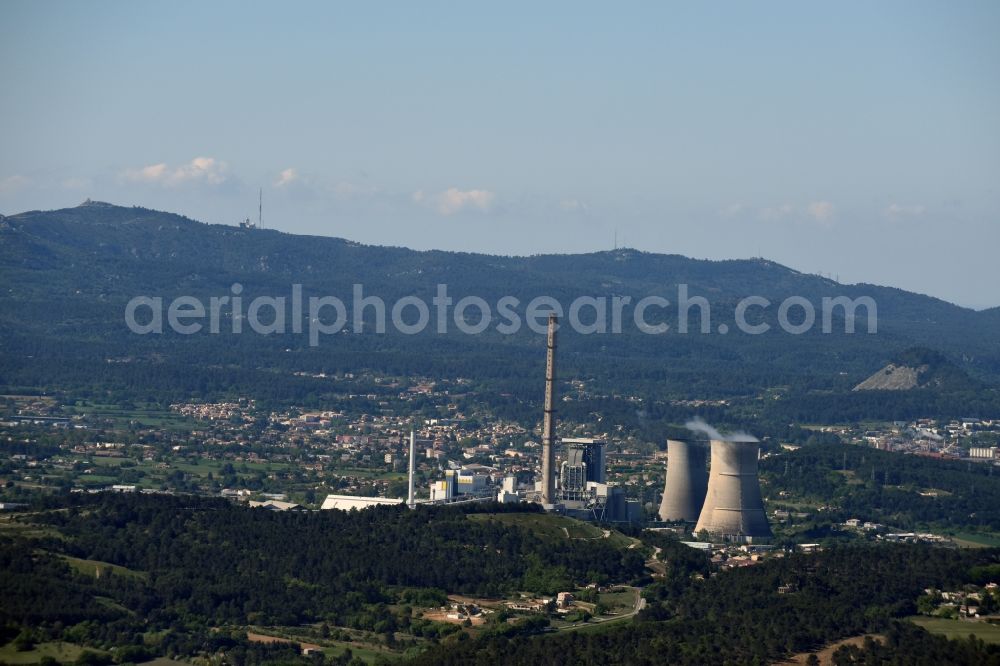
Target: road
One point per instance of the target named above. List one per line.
(654, 564)
(637, 606)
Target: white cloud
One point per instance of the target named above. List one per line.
(149, 174)
(286, 177)
(201, 169)
(207, 169)
(12, 184)
(732, 210)
(454, 200)
(821, 211)
(818, 211)
(776, 212)
(896, 210)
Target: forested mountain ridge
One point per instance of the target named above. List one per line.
(69, 273)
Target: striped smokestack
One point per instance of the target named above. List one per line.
(410, 500)
(548, 423)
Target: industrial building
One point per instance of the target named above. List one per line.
(584, 464)
(457, 483)
(582, 489)
(508, 491)
(348, 502)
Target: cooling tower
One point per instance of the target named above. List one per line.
(687, 481)
(733, 506)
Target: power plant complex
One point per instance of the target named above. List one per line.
(722, 499)
(725, 503)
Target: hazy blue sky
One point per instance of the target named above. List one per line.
(860, 139)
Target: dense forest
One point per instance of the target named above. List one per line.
(906, 644)
(189, 564)
(740, 618)
(172, 575)
(202, 554)
(884, 487)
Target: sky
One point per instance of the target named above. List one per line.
(859, 140)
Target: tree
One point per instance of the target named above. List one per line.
(24, 641)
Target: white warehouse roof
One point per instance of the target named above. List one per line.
(348, 502)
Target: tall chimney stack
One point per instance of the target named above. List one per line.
(410, 501)
(548, 424)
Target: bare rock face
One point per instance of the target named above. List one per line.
(919, 368)
(893, 378)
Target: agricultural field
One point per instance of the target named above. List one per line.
(58, 650)
(984, 631)
(545, 525)
(620, 600)
(143, 416)
(976, 539)
(98, 568)
(561, 527)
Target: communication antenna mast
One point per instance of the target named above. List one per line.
(260, 208)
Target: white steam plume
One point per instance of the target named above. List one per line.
(697, 424)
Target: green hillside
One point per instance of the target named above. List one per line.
(68, 275)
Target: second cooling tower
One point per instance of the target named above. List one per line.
(687, 481)
(733, 505)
